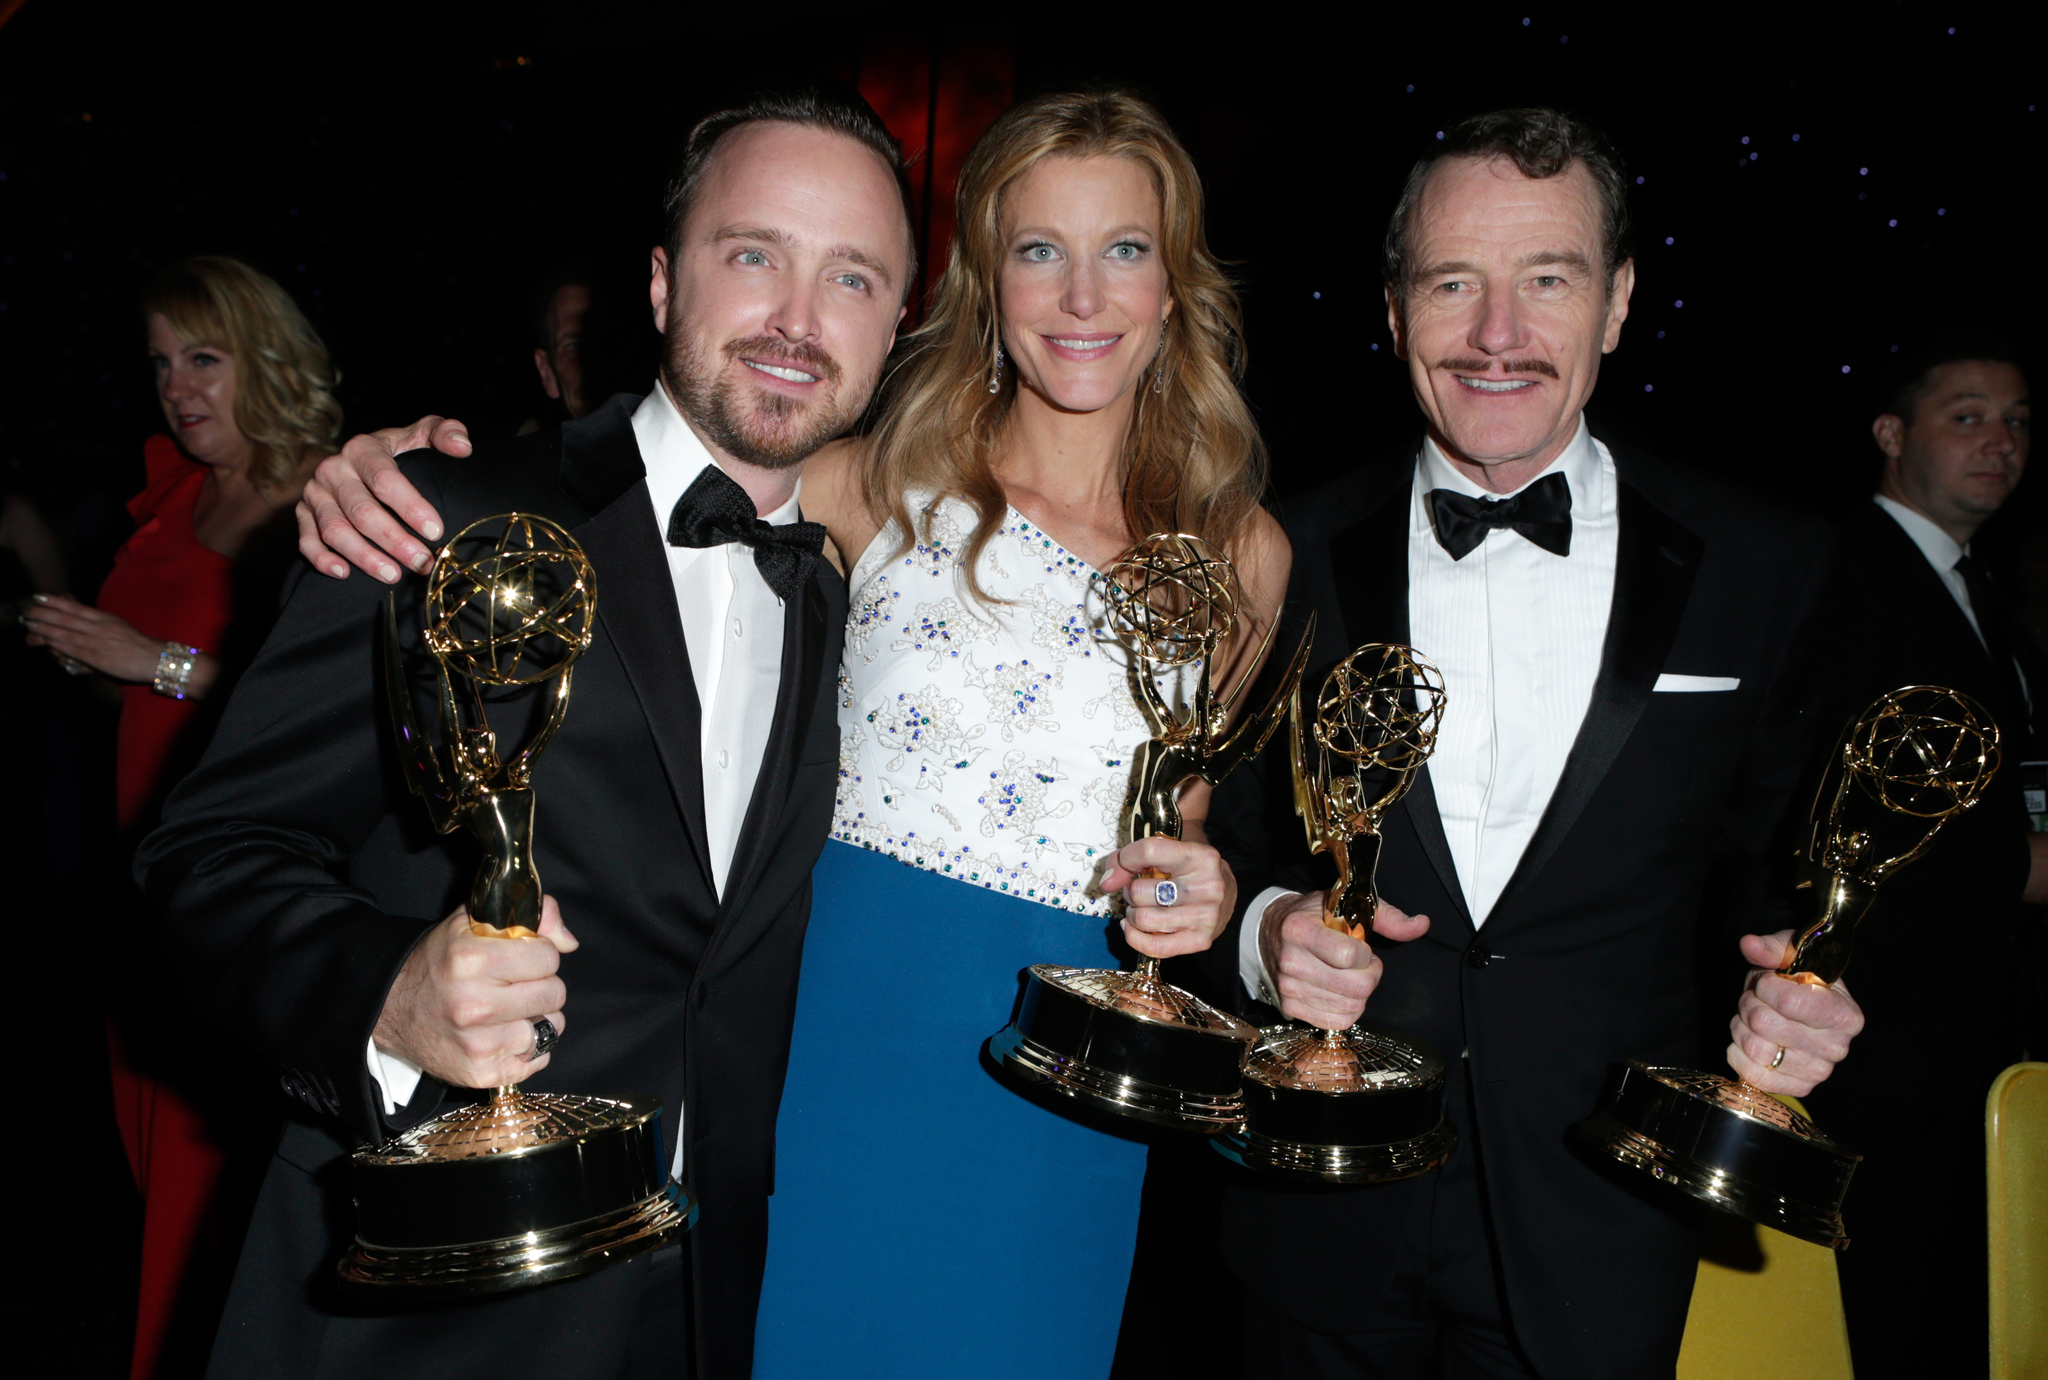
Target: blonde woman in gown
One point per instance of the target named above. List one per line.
(928, 1220)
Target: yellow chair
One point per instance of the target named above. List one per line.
(2016, 1160)
(1765, 1306)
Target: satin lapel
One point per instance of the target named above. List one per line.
(804, 638)
(636, 608)
(1372, 593)
(1655, 561)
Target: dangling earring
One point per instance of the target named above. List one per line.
(1159, 362)
(995, 378)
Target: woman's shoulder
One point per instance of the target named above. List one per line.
(1265, 558)
(164, 467)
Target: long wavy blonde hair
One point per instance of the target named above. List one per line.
(284, 381)
(1192, 462)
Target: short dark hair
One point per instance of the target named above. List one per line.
(835, 112)
(573, 273)
(1951, 345)
(1540, 143)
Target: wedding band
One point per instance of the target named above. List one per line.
(1165, 893)
(544, 1037)
(1780, 1057)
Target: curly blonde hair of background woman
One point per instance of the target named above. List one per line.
(284, 382)
(1193, 461)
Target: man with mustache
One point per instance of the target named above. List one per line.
(680, 807)
(1617, 638)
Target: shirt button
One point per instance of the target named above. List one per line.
(724, 759)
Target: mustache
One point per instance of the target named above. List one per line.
(802, 355)
(1512, 366)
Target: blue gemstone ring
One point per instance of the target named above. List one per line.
(1164, 893)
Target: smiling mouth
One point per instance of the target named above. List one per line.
(1084, 346)
(1495, 385)
(190, 418)
(781, 371)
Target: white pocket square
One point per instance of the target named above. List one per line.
(1695, 684)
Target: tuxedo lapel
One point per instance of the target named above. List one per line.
(636, 609)
(805, 636)
(1921, 588)
(1372, 592)
(1654, 567)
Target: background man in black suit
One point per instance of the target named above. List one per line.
(1908, 605)
(681, 806)
(1617, 638)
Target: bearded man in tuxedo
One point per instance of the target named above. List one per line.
(1617, 637)
(680, 807)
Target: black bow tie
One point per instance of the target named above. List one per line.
(715, 510)
(1542, 513)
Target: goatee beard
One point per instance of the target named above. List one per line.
(757, 427)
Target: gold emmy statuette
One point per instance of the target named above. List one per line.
(1351, 1106)
(522, 1188)
(1906, 766)
(1129, 1042)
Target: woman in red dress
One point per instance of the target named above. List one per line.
(247, 391)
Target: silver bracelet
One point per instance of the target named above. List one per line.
(174, 670)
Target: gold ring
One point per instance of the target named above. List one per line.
(1780, 1057)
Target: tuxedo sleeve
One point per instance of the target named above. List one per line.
(1253, 825)
(1759, 827)
(250, 870)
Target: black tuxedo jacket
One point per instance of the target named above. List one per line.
(1589, 956)
(1890, 621)
(296, 874)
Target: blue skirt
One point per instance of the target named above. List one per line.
(928, 1221)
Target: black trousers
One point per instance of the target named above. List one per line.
(1915, 1278)
(1443, 1318)
(660, 1348)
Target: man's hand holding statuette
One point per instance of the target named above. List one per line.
(463, 1006)
(1323, 976)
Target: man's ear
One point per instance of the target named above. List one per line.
(1397, 324)
(657, 289)
(1617, 304)
(1890, 431)
(549, 384)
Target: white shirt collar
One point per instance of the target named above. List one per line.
(1937, 546)
(1579, 462)
(674, 456)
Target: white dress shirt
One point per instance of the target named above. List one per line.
(1941, 552)
(732, 628)
(1517, 632)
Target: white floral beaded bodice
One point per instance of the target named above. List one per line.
(987, 742)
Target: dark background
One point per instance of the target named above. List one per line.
(1817, 193)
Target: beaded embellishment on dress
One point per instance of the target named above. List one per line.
(990, 743)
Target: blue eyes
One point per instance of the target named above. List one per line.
(757, 258)
(1124, 251)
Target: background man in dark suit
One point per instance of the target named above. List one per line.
(1617, 638)
(681, 806)
(1907, 604)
